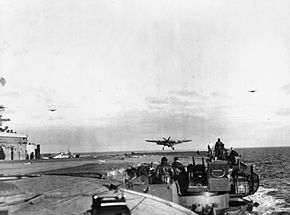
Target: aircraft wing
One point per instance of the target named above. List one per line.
(182, 141)
(152, 141)
(158, 142)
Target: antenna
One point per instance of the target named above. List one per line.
(2, 109)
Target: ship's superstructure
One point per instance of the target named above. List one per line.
(13, 146)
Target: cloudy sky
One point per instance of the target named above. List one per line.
(120, 72)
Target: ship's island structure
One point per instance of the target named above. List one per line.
(15, 146)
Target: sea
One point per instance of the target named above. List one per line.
(273, 166)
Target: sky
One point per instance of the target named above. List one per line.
(120, 72)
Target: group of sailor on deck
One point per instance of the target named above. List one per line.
(221, 153)
(222, 172)
(166, 173)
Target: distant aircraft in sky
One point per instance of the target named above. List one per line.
(2, 81)
(52, 109)
(252, 91)
(168, 142)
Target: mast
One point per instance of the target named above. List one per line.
(2, 109)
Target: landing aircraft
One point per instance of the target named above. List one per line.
(168, 142)
(252, 91)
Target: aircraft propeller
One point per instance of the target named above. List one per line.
(166, 139)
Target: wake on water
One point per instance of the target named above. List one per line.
(268, 205)
(273, 166)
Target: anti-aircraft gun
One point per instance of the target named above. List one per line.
(206, 186)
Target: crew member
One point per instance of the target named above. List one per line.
(180, 176)
(233, 157)
(210, 150)
(177, 167)
(164, 172)
(219, 149)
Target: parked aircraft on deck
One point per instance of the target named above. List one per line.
(67, 154)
